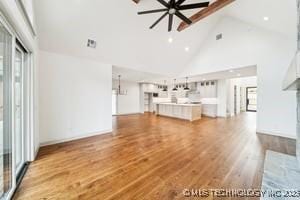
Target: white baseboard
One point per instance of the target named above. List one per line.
(276, 134)
(36, 153)
(76, 138)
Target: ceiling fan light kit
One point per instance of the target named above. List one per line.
(173, 7)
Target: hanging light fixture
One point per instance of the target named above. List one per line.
(120, 92)
(175, 88)
(186, 84)
(165, 87)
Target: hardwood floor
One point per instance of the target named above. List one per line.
(150, 157)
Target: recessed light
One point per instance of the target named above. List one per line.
(186, 48)
(170, 40)
(266, 18)
(231, 71)
(238, 74)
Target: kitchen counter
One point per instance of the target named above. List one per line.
(189, 112)
(181, 104)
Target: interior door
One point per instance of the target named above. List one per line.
(251, 93)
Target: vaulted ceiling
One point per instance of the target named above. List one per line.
(124, 38)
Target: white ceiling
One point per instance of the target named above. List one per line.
(248, 71)
(145, 77)
(134, 75)
(124, 38)
(282, 14)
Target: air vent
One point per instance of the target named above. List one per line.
(92, 43)
(219, 36)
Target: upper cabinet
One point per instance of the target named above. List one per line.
(207, 89)
(150, 88)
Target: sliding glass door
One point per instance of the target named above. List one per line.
(14, 95)
(6, 169)
(18, 107)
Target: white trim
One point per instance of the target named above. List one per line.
(26, 16)
(76, 138)
(36, 153)
(8, 15)
(23, 144)
(276, 134)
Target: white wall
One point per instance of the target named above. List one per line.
(245, 45)
(16, 19)
(75, 97)
(130, 103)
(222, 97)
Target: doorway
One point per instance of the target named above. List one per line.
(251, 96)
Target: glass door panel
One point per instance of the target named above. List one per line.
(5, 132)
(19, 134)
(252, 99)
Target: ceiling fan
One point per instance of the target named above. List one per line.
(173, 7)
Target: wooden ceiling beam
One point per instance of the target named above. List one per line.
(212, 8)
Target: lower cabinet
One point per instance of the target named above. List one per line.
(186, 112)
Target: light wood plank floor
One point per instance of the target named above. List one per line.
(155, 158)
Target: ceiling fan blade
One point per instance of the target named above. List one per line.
(155, 23)
(182, 17)
(193, 6)
(172, 3)
(152, 11)
(179, 2)
(163, 3)
(170, 22)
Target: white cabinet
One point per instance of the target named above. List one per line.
(207, 89)
(149, 88)
(177, 111)
(186, 112)
(182, 111)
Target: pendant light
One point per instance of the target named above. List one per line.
(120, 92)
(186, 84)
(175, 88)
(165, 87)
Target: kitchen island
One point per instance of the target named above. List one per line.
(184, 111)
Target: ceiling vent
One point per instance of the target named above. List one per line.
(219, 36)
(92, 43)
